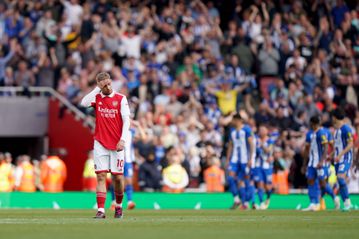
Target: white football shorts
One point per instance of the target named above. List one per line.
(110, 161)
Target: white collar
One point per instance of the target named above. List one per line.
(110, 95)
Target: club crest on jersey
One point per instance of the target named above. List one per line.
(115, 103)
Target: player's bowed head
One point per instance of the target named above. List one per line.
(103, 80)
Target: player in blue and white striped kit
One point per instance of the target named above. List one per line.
(128, 169)
(240, 154)
(317, 148)
(323, 175)
(265, 168)
(343, 154)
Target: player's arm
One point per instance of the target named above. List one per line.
(229, 152)
(268, 149)
(126, 122)
(90, 98)
(344, 151)
(324, 143)
(349, 137)
(324, 155)
(252, 148)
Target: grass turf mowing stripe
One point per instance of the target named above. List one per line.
(178, 224)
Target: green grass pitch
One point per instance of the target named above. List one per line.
(202, 224)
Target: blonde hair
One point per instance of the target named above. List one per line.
(102, 76)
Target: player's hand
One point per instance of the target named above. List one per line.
(336, 159)
(320, 164)
(120, 145)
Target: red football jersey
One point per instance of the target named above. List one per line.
(109, 110)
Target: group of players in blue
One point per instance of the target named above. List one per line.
(250, 165)
(319, 142)
(250, 162)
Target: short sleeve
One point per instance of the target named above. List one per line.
(329, 136)
(323, 137)
(248, 131)
(308, 137)
(347, 133)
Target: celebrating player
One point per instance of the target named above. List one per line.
(240, 152)
(343, 154)
(317, 148)
(111, 134)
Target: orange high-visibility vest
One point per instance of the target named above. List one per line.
(213, 177)
(6, 177)
(53, 174)
(27, 183)
(280, 182)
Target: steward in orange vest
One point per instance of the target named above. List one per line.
(6, 175)
(214, 177)
(53, 174)
(25, 175)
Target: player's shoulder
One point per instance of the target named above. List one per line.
(346, 128)
(246, 127)
(309, 134)
(119, 95)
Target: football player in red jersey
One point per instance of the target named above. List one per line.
(111, 133)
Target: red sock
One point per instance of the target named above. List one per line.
(101, 199)
(119, 198)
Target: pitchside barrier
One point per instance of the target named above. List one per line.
(197, 201)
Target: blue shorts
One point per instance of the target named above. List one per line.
(323, 173)
(342, 167)
(267, 175)
(233, 167)
(256, 174)
(243, 171)
(262, 175)
(312, 173)
(128, 170)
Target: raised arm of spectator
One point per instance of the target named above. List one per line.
(265, 14)
(90, 98)
(141, 130)
(211, 90)
(241, 88)
(253, 14)
(10, 54)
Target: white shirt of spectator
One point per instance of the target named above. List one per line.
(73, 12)
(299, 62)
(132, 46)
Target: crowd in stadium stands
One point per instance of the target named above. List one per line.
(187, 66)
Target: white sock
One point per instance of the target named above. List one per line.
(118, 204)
(236, 199)
(101, 210)
(347, 202)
